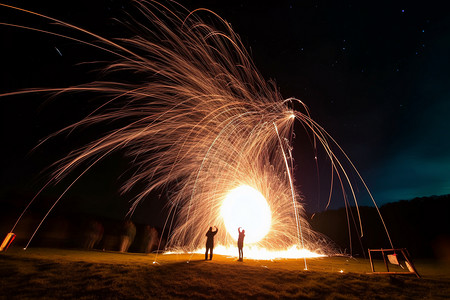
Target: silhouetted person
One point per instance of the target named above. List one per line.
(241, 243)
(210, 242)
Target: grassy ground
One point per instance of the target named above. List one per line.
(59, 274)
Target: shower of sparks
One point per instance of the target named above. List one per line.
(203, 122)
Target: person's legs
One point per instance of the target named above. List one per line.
(206, 253)
(210, 253)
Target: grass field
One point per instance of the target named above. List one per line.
(75, 274)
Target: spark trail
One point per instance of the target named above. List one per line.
(201, 120)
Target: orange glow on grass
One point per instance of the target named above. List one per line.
(259, 253)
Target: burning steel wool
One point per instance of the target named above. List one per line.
(203, 121)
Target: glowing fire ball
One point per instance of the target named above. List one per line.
(247, 208)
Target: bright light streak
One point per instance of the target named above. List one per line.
(247, 208)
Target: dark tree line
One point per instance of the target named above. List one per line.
(422, 225)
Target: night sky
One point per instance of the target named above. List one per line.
(374, 75)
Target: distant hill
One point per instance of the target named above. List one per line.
(422, 225)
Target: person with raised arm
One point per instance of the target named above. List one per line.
(241, 243)
(210, 242)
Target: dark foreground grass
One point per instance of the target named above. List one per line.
(71, 274)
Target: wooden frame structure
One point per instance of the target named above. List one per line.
(392, 257)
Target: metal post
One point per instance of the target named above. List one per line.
(371, 262)
(385, 262)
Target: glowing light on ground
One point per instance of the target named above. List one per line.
(247, 208)
(255, 252)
